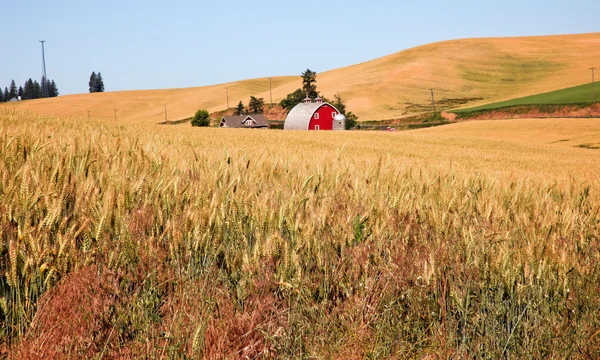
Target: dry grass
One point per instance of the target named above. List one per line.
(491, 69)
(236, 244)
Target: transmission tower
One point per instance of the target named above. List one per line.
(44, 76)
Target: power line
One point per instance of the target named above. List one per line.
(44, 76)
(271, 91)
(227, 94)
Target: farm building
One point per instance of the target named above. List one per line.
(314, 115)
(255, 121)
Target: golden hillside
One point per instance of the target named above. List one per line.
(468, 70)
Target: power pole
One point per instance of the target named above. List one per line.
(115, 114)
(433, 101)
(166, 121)
(44, 76)
(271, 91)
(593, 86)
(227, 94)
(88, 114)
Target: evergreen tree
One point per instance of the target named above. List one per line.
(240, 110)
(309, 88)
(99, 83)
(20, 92)
(93, 81)
(309, 79)
(52, 89)
(28, 92)
(256, 105)
(37, 90)
(6, 94)
(12, 92)
(1, 96)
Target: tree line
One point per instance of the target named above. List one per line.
(30, 90)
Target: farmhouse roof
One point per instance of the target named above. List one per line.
(299, 117)
(243, 121)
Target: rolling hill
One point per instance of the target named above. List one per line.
(466, 72)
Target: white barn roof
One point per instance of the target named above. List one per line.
(299, 117)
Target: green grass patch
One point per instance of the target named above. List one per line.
(578, 95)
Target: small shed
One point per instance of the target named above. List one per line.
(254, 121)
(313, 115)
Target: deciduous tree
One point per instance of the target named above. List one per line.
(256, 105)
(201, 118)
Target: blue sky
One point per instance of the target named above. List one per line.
(167, 44)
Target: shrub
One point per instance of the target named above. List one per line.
(201, 118)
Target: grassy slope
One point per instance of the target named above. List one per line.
(492, 69)
(576, 94)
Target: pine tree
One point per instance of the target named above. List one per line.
(52, 89)
(28, 92)
(12, 93)
(240, 110)
(1, 96)
(309, 79)
(20, 92)
(93, 81)
(37, 90)
(99, 83)
(6, 94)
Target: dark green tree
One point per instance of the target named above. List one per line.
(292, 99)
(309, 80)
(92, 83)
(201, 118)
(20, 92)
(52, 89)
(1, 96)
(6, 94)
(99, 83)
(309, 88)
(256, 105)
(240, 109)
(37, 90)
(28, 92)
(12, 92)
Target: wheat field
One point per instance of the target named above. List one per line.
(123, 240)
(466, 72)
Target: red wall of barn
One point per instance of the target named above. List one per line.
(325, 120)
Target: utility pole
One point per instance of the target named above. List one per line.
(271, 91)
(166, 121)
(227, 94)
(44, 76)
(88, 114)
(593, 86)
(115, 114)
(433, 101)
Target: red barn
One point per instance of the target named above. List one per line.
(314, 115)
